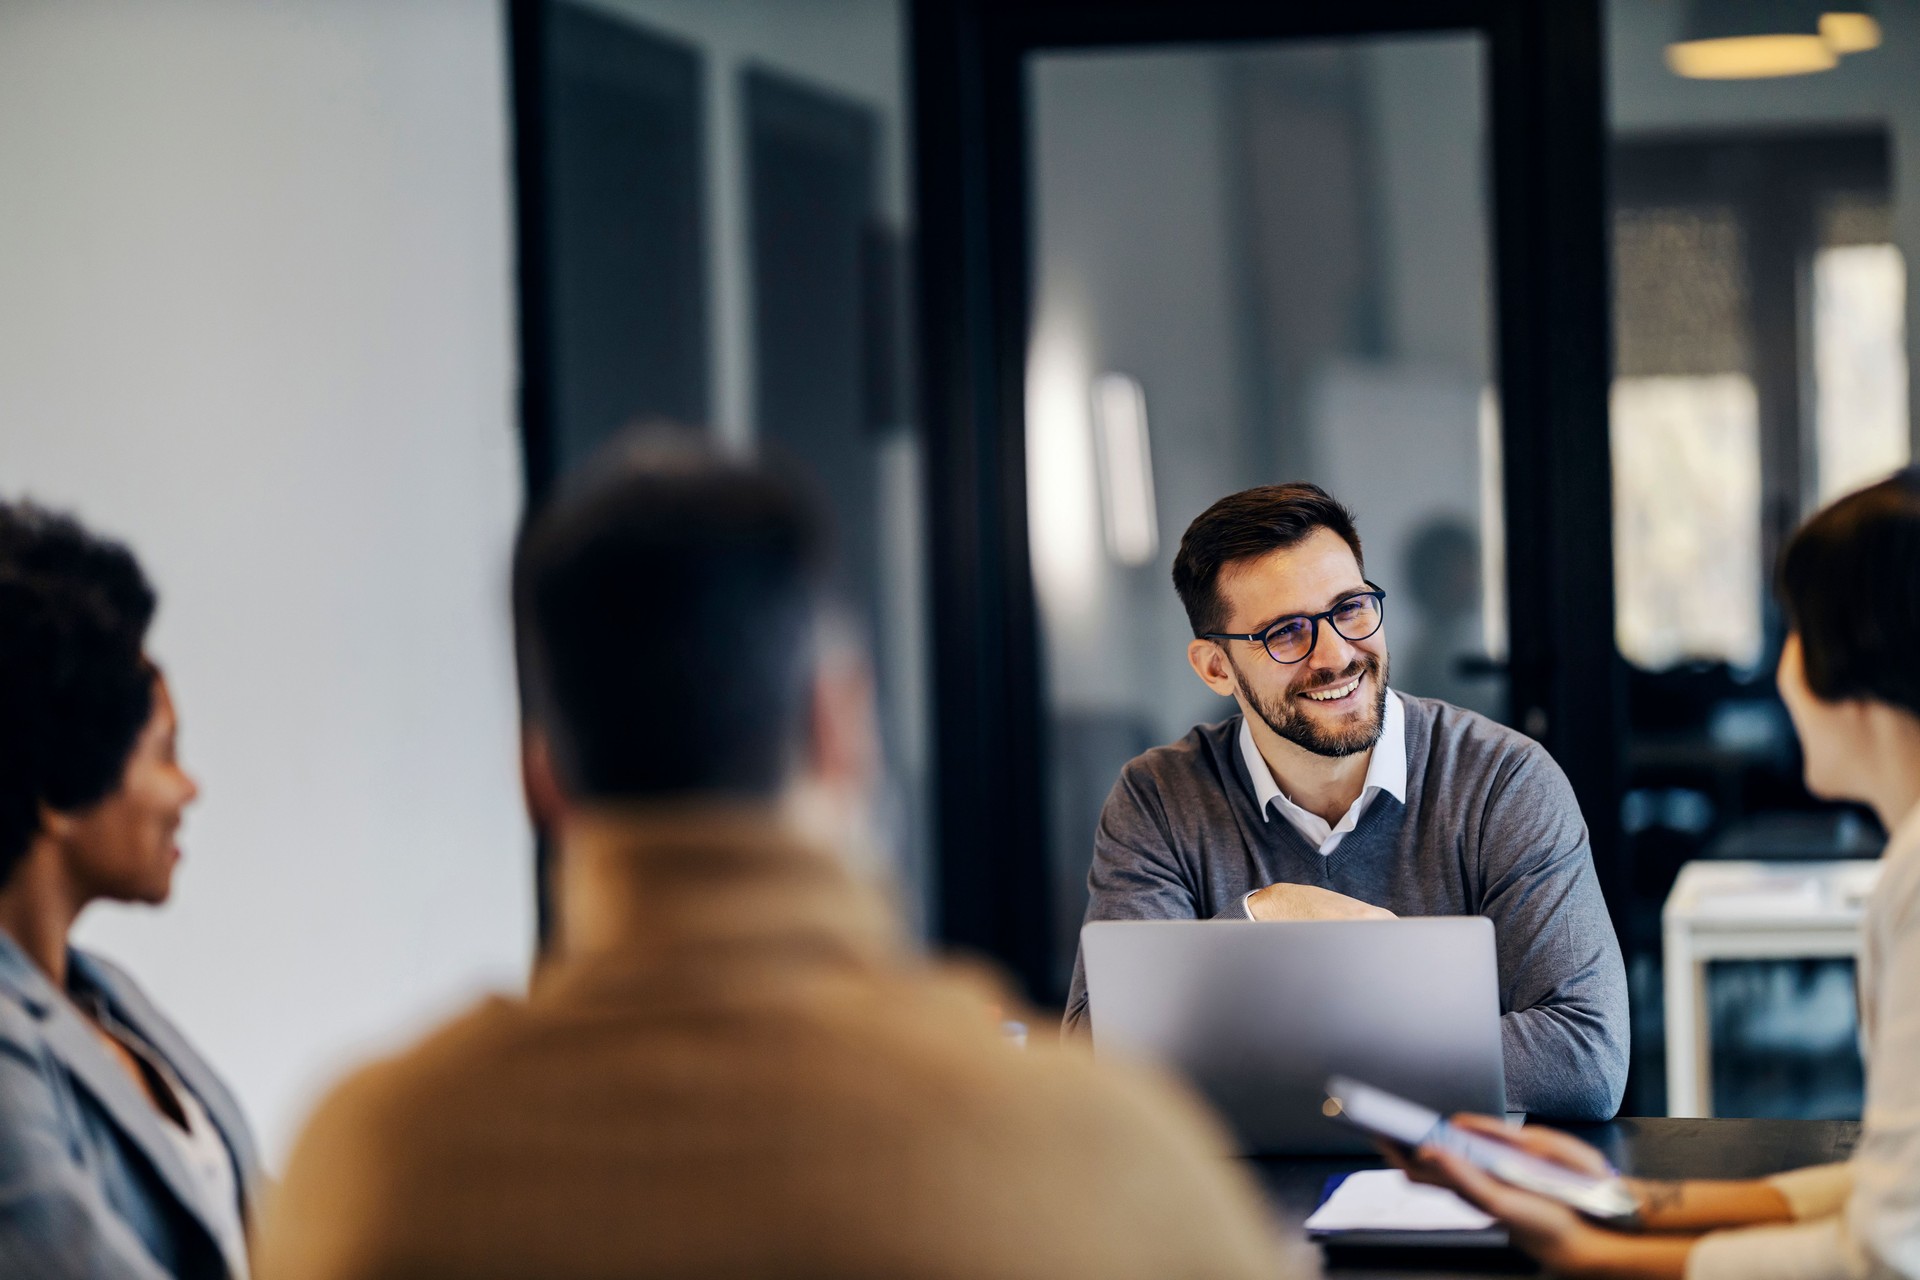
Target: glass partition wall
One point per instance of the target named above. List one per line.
(1164, 251)
(1252, 264)
(714, 219)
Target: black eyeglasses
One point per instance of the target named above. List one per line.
(1292, 638)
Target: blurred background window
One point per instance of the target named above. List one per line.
(1686, 440)
(1861, 423)
(1761, 362)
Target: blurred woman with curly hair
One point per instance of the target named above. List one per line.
(121, 1153)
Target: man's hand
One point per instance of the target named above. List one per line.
(1307, 902)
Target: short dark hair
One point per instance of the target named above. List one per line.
(1849, 581)
(666, 609)
(1252, 522)
(75, 685)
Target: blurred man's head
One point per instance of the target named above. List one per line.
(670, 619)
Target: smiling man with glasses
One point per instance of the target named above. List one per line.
(1331, 797)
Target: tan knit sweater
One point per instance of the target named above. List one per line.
(733, 1070)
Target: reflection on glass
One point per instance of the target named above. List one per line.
(1126, 468)
(1443, 568)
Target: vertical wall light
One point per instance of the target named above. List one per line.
(1493, 529)
(1126, 469)
(1063, 474)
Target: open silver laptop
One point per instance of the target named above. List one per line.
(1257, 1015)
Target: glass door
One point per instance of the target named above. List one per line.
(1251, 264)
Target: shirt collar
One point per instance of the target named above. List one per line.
(1386, 768)
(665, 879)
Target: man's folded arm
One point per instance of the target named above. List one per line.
(1136, 875)
(1565, 1035)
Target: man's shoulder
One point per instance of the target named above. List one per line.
(392, 1102)
(896, 1077)
(1459, 741)
(375, 1158)
(1203, 755)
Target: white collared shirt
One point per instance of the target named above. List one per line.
(202, 1149)
(1386, 771)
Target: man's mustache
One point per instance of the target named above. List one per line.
(1359, 667)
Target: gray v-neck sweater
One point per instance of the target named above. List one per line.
(1490, 827)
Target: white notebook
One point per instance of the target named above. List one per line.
(1385, 1207)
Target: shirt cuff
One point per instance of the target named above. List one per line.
(1246, 904)
(1819, 1191)
(1814, 1250)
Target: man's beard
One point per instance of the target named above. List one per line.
(1299, 728)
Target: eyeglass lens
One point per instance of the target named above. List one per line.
(1356, 619)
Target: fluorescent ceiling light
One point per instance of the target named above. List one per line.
(1750, 40)
(1849, 31)
(1751, 57)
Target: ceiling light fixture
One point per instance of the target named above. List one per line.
(1751, 39)
(1849, 28)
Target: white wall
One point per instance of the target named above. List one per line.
(255, 316)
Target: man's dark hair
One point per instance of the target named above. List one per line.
(666, 610)
(1250, 523)
(1850, 583)
(75, 685)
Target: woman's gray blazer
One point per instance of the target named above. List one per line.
(90, 1184)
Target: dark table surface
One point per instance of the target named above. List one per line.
(1654, 1148)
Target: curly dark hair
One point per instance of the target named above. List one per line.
(75, 685)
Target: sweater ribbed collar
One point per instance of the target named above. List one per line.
(1386, 771)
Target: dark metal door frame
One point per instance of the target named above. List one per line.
(1548, 123)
